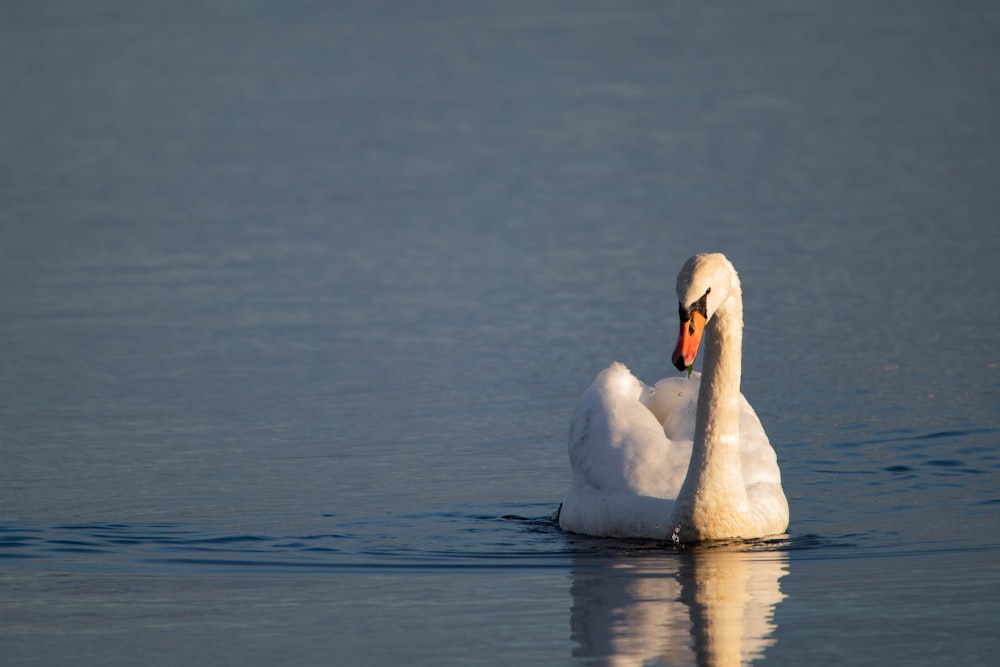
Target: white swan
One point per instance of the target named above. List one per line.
(687, 459)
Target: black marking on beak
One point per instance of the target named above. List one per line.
(699, 306)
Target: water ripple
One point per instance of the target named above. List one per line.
(434, 541)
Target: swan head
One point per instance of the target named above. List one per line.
(704, 283)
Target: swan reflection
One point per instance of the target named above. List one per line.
(705, 607)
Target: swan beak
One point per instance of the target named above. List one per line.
(688, 341)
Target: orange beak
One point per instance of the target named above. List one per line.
(688, 341)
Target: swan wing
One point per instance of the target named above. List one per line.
(761, 474)
(626, 472)
(674, 402)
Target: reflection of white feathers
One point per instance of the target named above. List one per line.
(624, 616)
(714, 607)
(732, 601)
(630, 445)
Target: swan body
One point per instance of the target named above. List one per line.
(686, 459)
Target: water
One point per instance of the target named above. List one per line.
(296, 301)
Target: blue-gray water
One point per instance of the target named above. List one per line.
(296, 300)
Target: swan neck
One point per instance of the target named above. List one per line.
(713, 495)
(718, 397)
(718, 418)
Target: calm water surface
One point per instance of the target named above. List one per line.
(296, 301)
